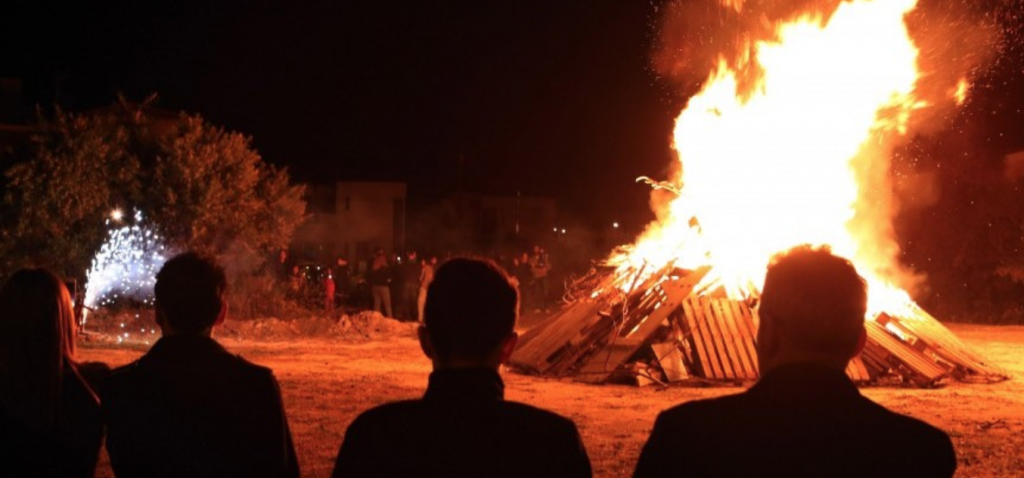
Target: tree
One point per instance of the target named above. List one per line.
(56, 201)
(210, 191)
(202, 187)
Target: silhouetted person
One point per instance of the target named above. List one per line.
(409, 273)
(282, 266)
(426, 277)
(189, 408)
(524, 276)
(463, 427)
(379, 277)
(804, 417)
(50, 424)
(329, 292)
(540, 266)
(342, 281)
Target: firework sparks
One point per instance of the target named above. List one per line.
(126, 265)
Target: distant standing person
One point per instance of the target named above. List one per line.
(540, 266)
(188, 407)
(329, 290)
(295, 284)
(463, 426)
(426, 277)
(524, 276)
(342, 282)
(411, 271)
(50, 422)
(282, 267)
(804, 417)
(379, 278)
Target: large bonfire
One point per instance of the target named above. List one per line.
(789, 160)
(786, 144)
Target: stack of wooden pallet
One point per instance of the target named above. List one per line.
(671, 329)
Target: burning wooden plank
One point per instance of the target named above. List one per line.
(537, 353)
(968, 365)
(885, 349)
(857, 371)
(671, 360)
(714, 337)
(624, 344)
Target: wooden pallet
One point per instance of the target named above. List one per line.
(931, 334)
(560, 335)
(563, 338)
(722, 334)
(624, 343)
(885, 351)
(857, 371)
(712, 337)
(671, 360)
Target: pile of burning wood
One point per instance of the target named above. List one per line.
(791, 135)
(676, 327)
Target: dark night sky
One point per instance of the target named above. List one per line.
(552, 98)
(548, 97)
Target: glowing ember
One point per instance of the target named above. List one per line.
(798, 157)
(125, 266)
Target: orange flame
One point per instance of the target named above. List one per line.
(800, 157)
(960, 94)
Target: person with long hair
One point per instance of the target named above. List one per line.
(50, 422)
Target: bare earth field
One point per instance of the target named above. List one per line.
(327, 383)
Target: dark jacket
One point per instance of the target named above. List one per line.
(462, 427)
(379, 277)
(342, 279)
(188, 408)
(407, 274)
(72, 447)
(801, 420)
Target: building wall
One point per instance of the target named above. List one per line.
(370, 215)
(468, 222)
(365, 216)
(354, 218)
(528, 217)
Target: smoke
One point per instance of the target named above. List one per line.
(956, 38)
(957, 41)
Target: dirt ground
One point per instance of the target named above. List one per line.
(327, 382)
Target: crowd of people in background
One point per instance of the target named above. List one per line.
(395, 285)
(189, 408)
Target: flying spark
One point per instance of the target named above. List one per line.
(125, 266)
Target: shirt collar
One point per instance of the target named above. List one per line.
(471, 384)
(805, 381)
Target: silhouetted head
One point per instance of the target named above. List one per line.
(37, 344)
(190, 291)
(812, 309)
(470, 315)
